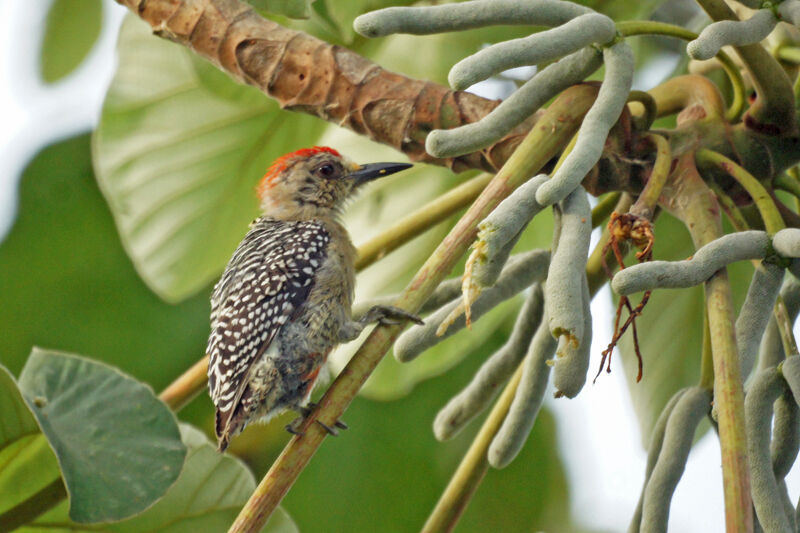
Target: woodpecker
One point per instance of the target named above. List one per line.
(284, 300)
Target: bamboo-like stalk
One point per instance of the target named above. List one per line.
(473, 465)
(698, 214)
(555, 128)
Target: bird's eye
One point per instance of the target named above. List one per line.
(326, 170)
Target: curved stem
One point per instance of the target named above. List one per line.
(648, 27)
(645, 205)
(558, 124)
(473, 465)
(764, 202)
(786, 182)
(774, 109)
(649, 105)
(677, 94)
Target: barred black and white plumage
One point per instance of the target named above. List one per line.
(284, 300)
(266, 281)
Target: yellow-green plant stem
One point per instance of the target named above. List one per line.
(606, 205)
(787, 183)
(706, 358)
(595, 273)
(473, 465)
(647, 27)
(775, 104)
(645, 205)
(731, 209)
(422, 219)
(785, 328)
(649, 105)
(695, 205)
(773, 221)
(551, 133)
(187, 386)
(788, 53)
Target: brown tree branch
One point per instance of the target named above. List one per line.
(311, 76)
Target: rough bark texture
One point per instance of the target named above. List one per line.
(311, 76)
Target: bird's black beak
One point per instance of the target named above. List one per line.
(372, 171)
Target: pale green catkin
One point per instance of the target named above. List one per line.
(521, 271)
(564, 289)
(466, 15)
(734, 33)
(476, 396)
(764, 390)
(533, 50)
(572, 362)
(516, 108)
(527, 401)
(690, 409)
(605, 111)
(653, 451)
(771, 351)
(500, 231)
(688, 273)
(789, 11)
(756, 312)
(787, 242)
(784, 447)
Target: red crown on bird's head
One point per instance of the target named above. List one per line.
(280, 164)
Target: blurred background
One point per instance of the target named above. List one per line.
(110, 241)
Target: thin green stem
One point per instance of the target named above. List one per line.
(647, 27)
(27, 511)
(784, 323)
(556, 126)
(649, 105)
(731, 209)
(473, 466)
(645, 205)
(775, 105)
(787, 183)
(707, 359)
(606, 205)
(422, 219)
(764, 202)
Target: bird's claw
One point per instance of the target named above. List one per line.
(389, 315)
(305, 411)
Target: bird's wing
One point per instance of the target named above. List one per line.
(268, 278)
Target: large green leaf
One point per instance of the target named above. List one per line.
(670, 331)
(118, 446)
(70, 31)
(178, 151)
(207, 496)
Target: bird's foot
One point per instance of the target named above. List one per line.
(389, 315)
(305, 412)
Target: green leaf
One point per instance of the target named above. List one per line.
(296, 9)
(670, 331)
(118, 446)
(207, 496)
(178, 151)
(70, 31)
(27, 464)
